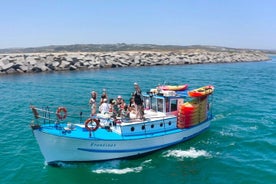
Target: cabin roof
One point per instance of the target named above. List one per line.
(167, 94)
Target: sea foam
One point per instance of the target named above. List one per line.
(119, 170)
(191, 153)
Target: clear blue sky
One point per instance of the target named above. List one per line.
(231, 23)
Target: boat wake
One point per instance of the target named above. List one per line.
(117, 170)
(191, 153)
(62, 164)
(226, 133)
(221, 116)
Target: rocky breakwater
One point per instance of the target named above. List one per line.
(47, 62)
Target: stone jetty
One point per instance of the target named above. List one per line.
(49, 62)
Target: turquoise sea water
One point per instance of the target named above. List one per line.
(239, 147)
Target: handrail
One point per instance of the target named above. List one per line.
(42, 110)
(42, 117)
(44, 113)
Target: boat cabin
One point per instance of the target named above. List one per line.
(166, 102)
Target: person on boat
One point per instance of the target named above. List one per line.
(120, 103)
(104, 96)
(112, 107)
(131, 105)
(116, 110)
(111, 104)
(104, 107)
(131, 108)
(125, 112)
(92, 103)
(138, 101)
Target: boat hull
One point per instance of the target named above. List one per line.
(61, 148)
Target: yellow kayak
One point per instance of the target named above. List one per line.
(174, 88)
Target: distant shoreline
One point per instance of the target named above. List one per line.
(15, 63)
(124, 47)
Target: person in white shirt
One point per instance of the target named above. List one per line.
(104, 107)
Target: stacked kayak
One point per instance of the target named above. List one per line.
(201, 92)
(174, 88)
(192, 113)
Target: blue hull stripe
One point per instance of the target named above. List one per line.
(142, 149)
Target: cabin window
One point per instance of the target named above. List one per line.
(157, 104)
(173, 105)
(154, 104)
(147, 103)
(160, 107)
(167, 105)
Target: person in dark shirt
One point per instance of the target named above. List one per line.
(138, 101)
(104, 96)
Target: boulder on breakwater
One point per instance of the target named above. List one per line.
(47, 62)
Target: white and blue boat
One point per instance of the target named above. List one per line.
(170, 117)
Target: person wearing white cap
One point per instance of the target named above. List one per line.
(119, 101)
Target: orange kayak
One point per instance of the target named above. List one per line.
(201, 92)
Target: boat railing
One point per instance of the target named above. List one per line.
(46, 115)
